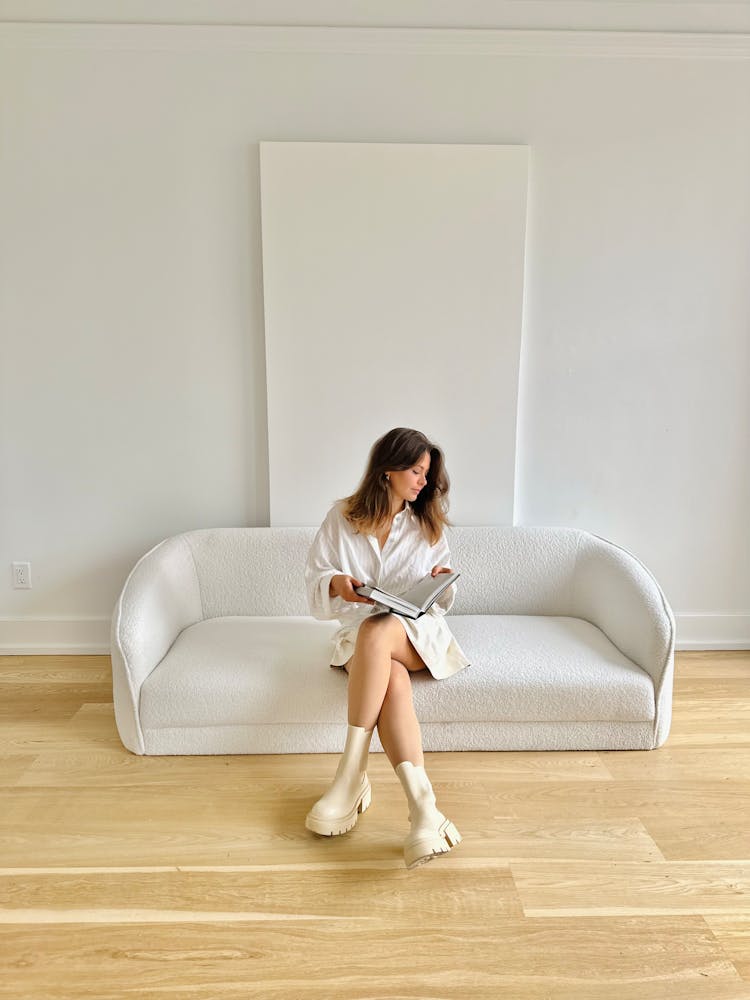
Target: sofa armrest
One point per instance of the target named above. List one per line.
(160, 598)
(613, 590)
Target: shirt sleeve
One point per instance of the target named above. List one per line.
(443, 558)
(323, 564)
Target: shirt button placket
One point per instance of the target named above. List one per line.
(374, 543)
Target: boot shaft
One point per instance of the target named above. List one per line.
(356, 750)
(416, 784)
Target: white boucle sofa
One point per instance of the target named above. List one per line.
(570, 638)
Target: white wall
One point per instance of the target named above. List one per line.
(132, 381)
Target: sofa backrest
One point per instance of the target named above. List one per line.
(504, 569)
(514, 570)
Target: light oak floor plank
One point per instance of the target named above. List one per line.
(529, 959)
(733, 932)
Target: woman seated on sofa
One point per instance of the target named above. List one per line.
(389, 532)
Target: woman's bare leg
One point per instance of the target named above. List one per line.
(380, 639)
(369, 671)
(398, 726)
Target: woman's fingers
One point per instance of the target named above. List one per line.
(355, 597)
(342, 585)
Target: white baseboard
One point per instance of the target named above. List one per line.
(707, 630)
(46, 636)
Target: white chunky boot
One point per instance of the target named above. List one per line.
(431, 833)
(336, 811)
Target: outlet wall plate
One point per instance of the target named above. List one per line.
(22, 575)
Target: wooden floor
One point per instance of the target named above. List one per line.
(584, 876)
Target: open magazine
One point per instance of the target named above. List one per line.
(415, 601)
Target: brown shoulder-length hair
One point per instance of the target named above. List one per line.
(370, 505)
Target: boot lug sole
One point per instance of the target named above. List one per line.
(429, 848)
(340, 824)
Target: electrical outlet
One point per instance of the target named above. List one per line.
(22, 575)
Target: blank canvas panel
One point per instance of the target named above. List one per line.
(393, 288)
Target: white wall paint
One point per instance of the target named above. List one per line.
(132, 386)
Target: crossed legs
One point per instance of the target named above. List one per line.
(379, 690)
(380, 693)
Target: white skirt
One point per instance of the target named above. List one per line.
(429, 634)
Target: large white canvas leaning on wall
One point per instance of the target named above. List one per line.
(393, 290)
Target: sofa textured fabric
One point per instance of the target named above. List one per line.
(570, 638)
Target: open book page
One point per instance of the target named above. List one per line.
(424, 594)
(415, 601)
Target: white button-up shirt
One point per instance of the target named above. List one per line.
(406, 558)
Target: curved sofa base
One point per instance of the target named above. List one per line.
(322, 738)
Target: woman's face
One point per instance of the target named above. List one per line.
(406, 484)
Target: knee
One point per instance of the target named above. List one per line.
(399, 683)
(374, 630)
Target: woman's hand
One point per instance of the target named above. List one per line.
(441, 569)
(343, 586)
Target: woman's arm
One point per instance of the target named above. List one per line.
(329, 590)
(442, 559)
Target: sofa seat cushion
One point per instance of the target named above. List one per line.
(540, 668)
(241, 670)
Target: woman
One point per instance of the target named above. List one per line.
(388, 533)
